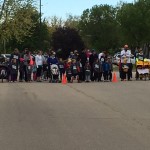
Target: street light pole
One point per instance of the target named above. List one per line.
(40, 12)
(40, 25)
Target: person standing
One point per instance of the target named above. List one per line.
(83, 62)
(13, 70)
(51, 60)
(126, 57)
(34, 70)
(80, 69)
(92, 58)
(22, 68)
(106, 69)
(27, 59)
(110, 68)
(39, 59)
(61, 68)
(96, 70)
(71, 56)
(101, 55)
(15, 55)
(87, 72)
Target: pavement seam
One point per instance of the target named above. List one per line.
(134, 120)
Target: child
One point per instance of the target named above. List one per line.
(74, 70)
(29, 71)
(21, 71)
(139, 57)
(80, 69)
(110, 69)
(124, 68)
(61, 67)
(106, 69)
(96, 70)
(45, 71)
(101, 62)
(13, 70)
(68, 70)
(34, 70)
(87, 72)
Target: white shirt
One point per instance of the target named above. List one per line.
(39, 60)
(100, 55)
(126, 54)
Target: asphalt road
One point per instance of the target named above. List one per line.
(86, 116)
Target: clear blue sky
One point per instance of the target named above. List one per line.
(61, 8)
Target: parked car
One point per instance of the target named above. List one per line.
(7, 56)
(117, 56)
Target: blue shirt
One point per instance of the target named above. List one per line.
(106, 66)
(52, 60)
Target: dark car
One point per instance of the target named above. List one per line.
(5, 56)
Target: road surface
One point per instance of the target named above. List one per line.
(84, 116)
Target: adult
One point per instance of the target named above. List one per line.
(92, 59)
(83, 62)
(22, 68)
(88, 53)
(52, 59)
(39, 59)
(76, 55)
(27, 60)
(101, 55)
(71, 56)
(126, 60)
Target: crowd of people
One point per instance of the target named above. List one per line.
(84, 67)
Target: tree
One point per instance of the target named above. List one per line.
(99, 27)
(134, 22)
(72, 21)
(66, 39)
(15, 19)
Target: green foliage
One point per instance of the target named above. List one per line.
(72, 22)
(99, 27)
(102, 27)
(39, 39)
(15, 19)
(134, 22)
(66, 39)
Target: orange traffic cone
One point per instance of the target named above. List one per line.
(114, 78)
(64, 80)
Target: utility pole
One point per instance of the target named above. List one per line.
(40, 12)
(40, 30)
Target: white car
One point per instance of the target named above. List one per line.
(117, 56)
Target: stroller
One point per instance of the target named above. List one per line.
(54, 73)
(3, 71)
(142, 69)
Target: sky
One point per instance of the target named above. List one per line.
(62, 8)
